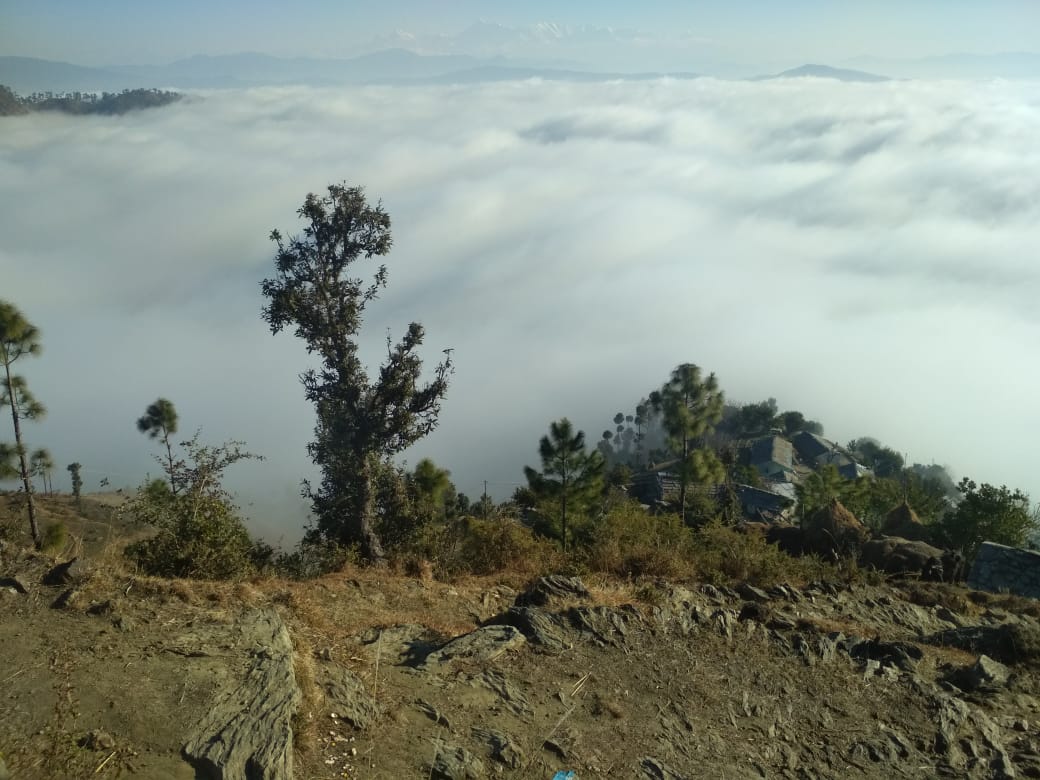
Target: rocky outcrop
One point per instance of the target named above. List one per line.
(248, 733)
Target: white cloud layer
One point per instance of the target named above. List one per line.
(866, 253)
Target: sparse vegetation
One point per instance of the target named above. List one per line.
(199, 532)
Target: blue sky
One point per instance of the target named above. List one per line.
(100, 32)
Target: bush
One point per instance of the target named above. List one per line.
(55, 535)
(196, 536)
(198, 531)
(724, 555)
(471, 545)
(314, 559)
(629, 541)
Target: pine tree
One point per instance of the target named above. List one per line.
(18, 338)
(159, 422)
(690, 407)
(570, 476)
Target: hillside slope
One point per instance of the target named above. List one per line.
(107, 673)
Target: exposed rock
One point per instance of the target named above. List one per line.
(502, 747)
(432, 713)
(512, 697)
(653, 769)
(408, 643)
(72, 572)
(98, 740)
(984, 675)
(1009, 642)
(606, 625)
(541, 628)
(901, 655)
(753, 610)
(455, 763)
(347, 696)
(751, 593)
(65, 598)
(14, 584)
(248, 733)
(483, 645)
(555, 586)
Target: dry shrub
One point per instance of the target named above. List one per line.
(471, 545)
(722, 555)
(307, 716)
(1017, 605)
(934, 594)
(492, 546)
(630, 542)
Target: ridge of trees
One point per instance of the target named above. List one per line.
(103, 103)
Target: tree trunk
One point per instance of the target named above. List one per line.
(685, 478)
(371, 547)
(34, 527)
(169, 458)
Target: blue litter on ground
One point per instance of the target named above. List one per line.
(568, 775)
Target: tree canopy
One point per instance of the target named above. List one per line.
(317, 292)
(20, 338)
(690, 406)
(570, 477)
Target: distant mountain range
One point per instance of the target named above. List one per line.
(393, 66)
(825, 72)
(26, 74)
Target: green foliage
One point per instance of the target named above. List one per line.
(8, 462)
(690, 407)
(884, 461)
(41, 464)
(821, 487)
(19, 338)
(988, 514)
(628, 541)
(571, 479)
(106, 103)
(794, 422)
(359, 421)
(77, 480)
(55, 535)
(160, 422)
(313, 559)
(724, 556)
(926, 497)
(10, 103)
(199, 533)
(471, 545)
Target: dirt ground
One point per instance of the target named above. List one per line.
(631, 680)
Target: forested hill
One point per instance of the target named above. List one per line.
(105, 103)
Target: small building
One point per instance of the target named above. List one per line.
(809, 446)
(656, 485)
(772, 456)
(764, 505)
